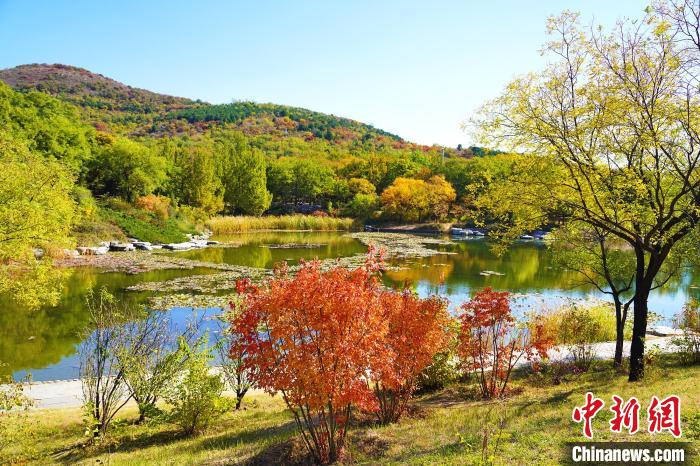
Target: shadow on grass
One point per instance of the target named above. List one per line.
(83, 451)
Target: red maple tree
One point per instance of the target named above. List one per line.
(417, 331)
(312, 337)
(492, 342)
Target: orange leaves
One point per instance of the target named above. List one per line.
(322, 338)
(492, 343)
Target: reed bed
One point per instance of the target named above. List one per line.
(237, 224)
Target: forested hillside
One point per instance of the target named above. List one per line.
(130, 162)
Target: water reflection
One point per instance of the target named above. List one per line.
(44, 341)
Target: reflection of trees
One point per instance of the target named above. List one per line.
(526, 267)
(39, 338)
(254, 250)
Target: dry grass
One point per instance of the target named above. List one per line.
(238, 224)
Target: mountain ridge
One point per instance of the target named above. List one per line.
(114, 106)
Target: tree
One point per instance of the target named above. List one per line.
(361, 186)
(36, 210)
(236, 373)
(603, 264)
(311, 338)
(195, 397)
(196, 182)
(416, 333)
(243, 174)
(413, 200)
(492, 343)
(101, 373)
(126, 169)
(609, 135)
(151, 359)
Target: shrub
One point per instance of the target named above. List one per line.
(417, 331)
(13, 405)
(444, 367)
(688, 320)
(492, 343)
(237, 375)
(157, 205)
(101, 374)
(311, 337)
(151, 360)
(196, 397)
(579, 328)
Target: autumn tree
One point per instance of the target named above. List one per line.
(492, 342)
(411, 200)
(608, 134)
(311, 337)
(417, 331)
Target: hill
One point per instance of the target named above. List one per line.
(112, 106)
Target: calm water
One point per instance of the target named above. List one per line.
(44, 342)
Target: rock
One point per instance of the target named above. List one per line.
(178, 246)
(143, 245)
(38, 253)
(70, 253)
(117, 247)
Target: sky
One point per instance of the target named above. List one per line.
(418, 69)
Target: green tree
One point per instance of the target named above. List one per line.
(36, 210)
(126, 169)
(196, 181)
(244, 176)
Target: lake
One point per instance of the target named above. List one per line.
(44, 342)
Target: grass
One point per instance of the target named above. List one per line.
(145, 227)
(238, 224)
(446, 427)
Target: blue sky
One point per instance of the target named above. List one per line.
(415, 68)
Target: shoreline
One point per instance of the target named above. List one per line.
(55, 394)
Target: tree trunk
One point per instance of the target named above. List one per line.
(639, 330)
(620, 334)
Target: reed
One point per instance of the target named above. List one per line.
(238, 224)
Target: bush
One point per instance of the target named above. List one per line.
(328, 327)
(579, 328)
(196, 397)
(492, 342)
(688, 320)
(157, 205)
(439, 374)
(417, 331)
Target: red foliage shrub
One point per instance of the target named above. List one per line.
(330, 341)
(312, 337)
(492, 342)
(417, 331)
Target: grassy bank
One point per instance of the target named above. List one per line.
(238, 224)
(446, 427)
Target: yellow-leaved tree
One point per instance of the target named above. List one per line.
(610, 140)
(36, 211)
